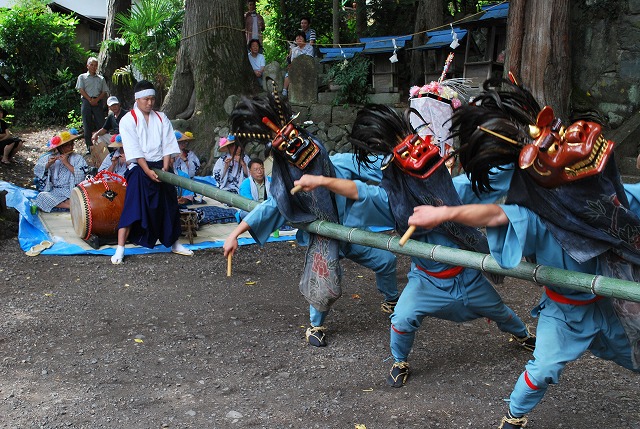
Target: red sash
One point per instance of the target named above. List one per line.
(446, 274)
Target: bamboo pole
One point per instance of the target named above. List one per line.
(540, 274)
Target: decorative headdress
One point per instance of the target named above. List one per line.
(183, 137)
(63, 138)
(116, 141)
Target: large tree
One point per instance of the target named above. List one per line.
(111, 60)
(212, 64)
(538, 50)
(430, 15)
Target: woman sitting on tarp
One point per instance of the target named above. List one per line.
(59, 172)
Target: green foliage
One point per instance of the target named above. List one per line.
(152, 30)
(352, 76)
(52, 108)
(74, 119)
(283, 24)
(37, 43)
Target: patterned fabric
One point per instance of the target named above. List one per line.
(322, 274)
(235, 175)
(588, 217)
(57, 181)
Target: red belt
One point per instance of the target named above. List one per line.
(555, 296)
(446, 274)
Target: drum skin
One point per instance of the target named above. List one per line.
(92, 212)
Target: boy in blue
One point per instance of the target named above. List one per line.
(565, 208)
(434, 289)
(294, 153)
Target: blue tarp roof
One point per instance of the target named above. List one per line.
(339, 54)
(499, 11)
(379, 45)
(441, 38)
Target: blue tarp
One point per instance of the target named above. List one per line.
(32, 231)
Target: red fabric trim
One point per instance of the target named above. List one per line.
(135, 117)
(555, 296)
(396, 331)
(446, 274)
(529, 382)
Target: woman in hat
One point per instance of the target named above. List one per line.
(187, 161)
(9, 144)
(60, 171)
(231, 168)
(116, 161)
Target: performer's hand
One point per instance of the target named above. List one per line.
(309, 182)
(230, 245)
(427, 216)
(152, 175)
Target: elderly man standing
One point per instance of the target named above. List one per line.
(93, 90)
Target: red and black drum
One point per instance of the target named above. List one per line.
(96, 206)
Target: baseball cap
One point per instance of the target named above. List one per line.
(112, 100)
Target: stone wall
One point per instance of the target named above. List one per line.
(606, 69)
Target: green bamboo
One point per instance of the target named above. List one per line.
(540, 274)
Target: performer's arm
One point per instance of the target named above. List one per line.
(231, 243)
(344, 187)
(476, 215)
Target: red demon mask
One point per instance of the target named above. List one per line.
(559, 156)
(417, 156)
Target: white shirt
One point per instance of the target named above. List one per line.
(150, 141)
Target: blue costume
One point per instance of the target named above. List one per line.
(266, 218)
(415, 175)
(566, 208)
(446, 293)
(569, 322)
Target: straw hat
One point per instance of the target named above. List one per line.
(63, 138)
(226, 141)
(116, 141)
(184, 137)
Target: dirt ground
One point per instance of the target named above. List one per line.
(167, 341)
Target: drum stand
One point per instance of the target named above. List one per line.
(189, 224)
(97, 242)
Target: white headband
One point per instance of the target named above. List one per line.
(146, 93)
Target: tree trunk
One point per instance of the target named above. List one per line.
(336, 22)
(428, 16)
(361, 18)
(109, 60)
(212, 64)
(538, 50)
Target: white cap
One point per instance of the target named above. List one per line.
(112, 100)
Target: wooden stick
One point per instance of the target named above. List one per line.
(229, 264)
(295, 189)
(407, 235)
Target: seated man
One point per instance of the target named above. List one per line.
(255, 187)
(9, 144)
(111, 127)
